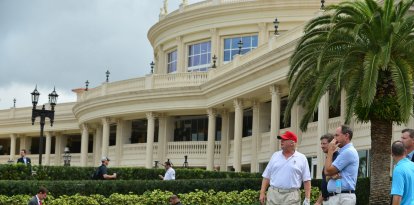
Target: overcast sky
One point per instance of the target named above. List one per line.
(63, 43)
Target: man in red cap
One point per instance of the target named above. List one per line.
(286, 171)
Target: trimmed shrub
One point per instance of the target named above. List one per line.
(20, 172)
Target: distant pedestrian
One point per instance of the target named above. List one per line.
(102, 171)
(23, 159)
(39, 197)
(174, 200)
(169, 172)
(402, 188)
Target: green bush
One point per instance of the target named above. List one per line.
(20, 172)
(108, 187)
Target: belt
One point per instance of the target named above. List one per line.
(342, 192)
(283, 190)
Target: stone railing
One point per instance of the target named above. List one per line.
(189, 148)
(180, 79)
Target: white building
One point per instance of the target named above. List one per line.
(224, 111)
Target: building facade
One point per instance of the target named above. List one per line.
(217, 95)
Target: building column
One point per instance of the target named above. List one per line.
(162, 137)
(25, 143)
(48, 147)
(295, 118)
(84, 145)
(150, 139)
(59, 145)
(123, 132)
(274, 119)
(238, 132)
(180, 55)
(224, 145)
(105, 136)
(254, 164)
(211, 138)
(215, 45)
(98, 144)
(160, 63)
(263, 33)
(323, 128)
(12, 146)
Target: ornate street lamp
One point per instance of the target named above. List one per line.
(67, 157)
(156, 164)
(322, 4)
(240, 44)
(43, 113)
(107, 75)
(185, 165)
(276, 23)
(214, 61)
(14, 102)
(86, 85)
(152, 66)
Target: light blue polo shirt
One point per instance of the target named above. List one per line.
(347, 164)
(403, 181)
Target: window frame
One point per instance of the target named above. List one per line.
(240, 36)
(200, 66)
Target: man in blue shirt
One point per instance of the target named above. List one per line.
(402, 176)
(345, 165)
(407, 138)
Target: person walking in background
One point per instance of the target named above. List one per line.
(174, 200)
(169, 172)
(407, 138)
(342, 188)
(286, 171)
(402, 188)
(324, 195)
(23, 159)
(102, 171)
(39, 197)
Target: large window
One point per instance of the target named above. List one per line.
(364, 160)
(199, 56)
(231, 46)
(172, 61)
(194, 128)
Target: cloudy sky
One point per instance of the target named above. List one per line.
(63, 43)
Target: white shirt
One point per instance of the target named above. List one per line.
(287, 173)
(170, 174)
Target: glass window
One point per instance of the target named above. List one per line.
(199, 56)
(172, 61)
(363, 168)
(231, 46)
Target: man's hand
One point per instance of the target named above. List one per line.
(306, 201)
(262, 198)
(160, 176)
(332, 147)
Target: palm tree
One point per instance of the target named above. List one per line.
(367, 50)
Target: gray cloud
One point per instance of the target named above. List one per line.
(63, 43)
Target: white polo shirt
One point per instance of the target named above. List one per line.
(170, 174)
(287, 173)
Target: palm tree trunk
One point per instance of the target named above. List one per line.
(381, 135)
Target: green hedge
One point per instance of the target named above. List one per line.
(246, 197)
(108, 187)
(20, 172)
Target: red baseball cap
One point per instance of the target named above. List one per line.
(288, 135)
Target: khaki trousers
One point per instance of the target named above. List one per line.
(342, 199)
(283, 196)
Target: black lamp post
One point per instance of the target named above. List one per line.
(322, 4)
(240, 44)
(86, 85)
(43, 113)
(14, 102)
(276, 23)
(67, 157)
(214, 61)
(152, 66)
(107, 75)
(156, 164)
(185, 165)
